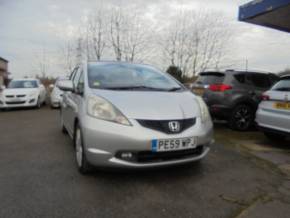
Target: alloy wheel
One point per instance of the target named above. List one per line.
(243, 117)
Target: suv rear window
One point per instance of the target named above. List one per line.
(210, 78)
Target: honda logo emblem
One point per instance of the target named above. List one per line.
(174, 126)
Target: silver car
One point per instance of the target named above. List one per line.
(132, 116)
(56, 94)
(273, 115)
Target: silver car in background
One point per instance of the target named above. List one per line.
(273, 115)
(56, 94)
(132, 116)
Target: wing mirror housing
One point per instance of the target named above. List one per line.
(66, 85)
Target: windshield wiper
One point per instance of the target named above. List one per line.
(174, 89)
(134, 88)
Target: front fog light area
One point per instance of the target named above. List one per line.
(125, 155)
(32, 101)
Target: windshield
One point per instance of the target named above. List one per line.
(22, 84)
(210, 78)
(128, 76)
(282, 85)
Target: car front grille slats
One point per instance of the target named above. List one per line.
(163, 125)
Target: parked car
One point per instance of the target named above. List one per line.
(132, 116)
(56, 94)
(23, 93)
(233, 95)
(273, 115)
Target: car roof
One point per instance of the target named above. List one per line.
(285, 77)
(228, 72)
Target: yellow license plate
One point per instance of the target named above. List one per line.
(282, 105)
(198, 91)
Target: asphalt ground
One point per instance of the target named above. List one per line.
(39, 178)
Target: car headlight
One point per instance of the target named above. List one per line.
(204, 114)
(33, 94)
(102, 109)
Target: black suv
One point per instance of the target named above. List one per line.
(233, 95)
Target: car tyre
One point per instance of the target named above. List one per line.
(63, 129)
(83, 164)
(274, 136)
(242, 118)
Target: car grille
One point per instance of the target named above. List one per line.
(163, 125)
(15, 102)
(20, 96)
(151, 157)
(9, 96)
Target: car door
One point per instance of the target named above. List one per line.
(65, 105)
(72, 101)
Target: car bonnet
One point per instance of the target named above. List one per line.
(151, 105)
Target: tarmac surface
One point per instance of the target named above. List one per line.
(39, 178)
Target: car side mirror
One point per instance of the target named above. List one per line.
(66, 85)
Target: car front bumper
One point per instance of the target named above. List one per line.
(103, 141)
(24, 102)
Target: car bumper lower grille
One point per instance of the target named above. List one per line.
(14, 102)
(153, 157)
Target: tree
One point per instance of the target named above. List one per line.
(128, 35)
(196, 41)
(68, 52)
(175, 72)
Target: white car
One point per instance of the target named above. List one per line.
(56, 95)
(273, 115)
(23, 93)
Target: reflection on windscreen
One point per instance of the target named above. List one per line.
(22, 84)
(123, 75)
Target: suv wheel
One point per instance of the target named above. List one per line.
(242, 118)
(82, 162)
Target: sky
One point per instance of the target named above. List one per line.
(30, 28)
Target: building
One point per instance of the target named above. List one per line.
(269, 13)
(3, 71)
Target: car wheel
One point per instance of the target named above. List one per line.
(63, 129)
(274, 136)
(242, 118)
(38, 105)
(82, 162)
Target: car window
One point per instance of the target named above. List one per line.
(210, 78)
(18, 84)
(112, 75)
(282, 85)
(80, 85)
(77, 77)
(72, 75)
(241, 78)
(260, 81)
